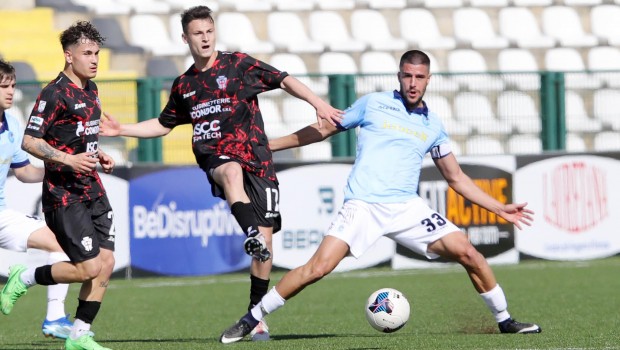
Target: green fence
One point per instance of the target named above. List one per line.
(484, 113)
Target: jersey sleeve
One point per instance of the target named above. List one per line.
(441, 146)
(20, 157)
(174, 114)
(47, 107)
(354, 115)
(258, 76)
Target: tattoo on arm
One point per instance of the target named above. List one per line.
(42, 150)
(104, 284)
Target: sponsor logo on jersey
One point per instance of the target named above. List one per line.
(79, 106)
(207, 108)
(222, 81)
(189, 94)
(207, 130)
(35, 122)
(382, 106)
(41, 107)
(91, 128)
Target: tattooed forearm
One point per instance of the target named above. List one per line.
(47, 152)
(42, 150)
(104, 284)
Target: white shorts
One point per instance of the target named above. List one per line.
(412, 224)
(15, 228)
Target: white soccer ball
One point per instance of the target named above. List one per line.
(387, 310)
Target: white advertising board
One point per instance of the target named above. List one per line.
(26, 198)
(577, 202)
(311, 196)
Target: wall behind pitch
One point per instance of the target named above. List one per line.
(26, 198)
(577, 201)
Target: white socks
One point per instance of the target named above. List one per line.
(28, 277)
(79, 328)
(57, 293)
(496, 302)
(270, 303)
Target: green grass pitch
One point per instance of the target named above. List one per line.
(577, 304)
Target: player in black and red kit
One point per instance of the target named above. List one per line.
(218, 96)
(63, 130)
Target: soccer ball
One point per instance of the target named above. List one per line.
(387, 310)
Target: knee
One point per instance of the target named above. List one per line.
(317, 270)
(89, 271)
(470, 257)
(232, 172)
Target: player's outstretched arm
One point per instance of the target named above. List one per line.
(29, 174)
(83, 162)
(310, 134)
(450, 169)
(323, 109)
(109, 126)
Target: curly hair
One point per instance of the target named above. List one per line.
(6, 70)
(196, 12)
(80, 30)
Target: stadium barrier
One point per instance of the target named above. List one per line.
(168, 223)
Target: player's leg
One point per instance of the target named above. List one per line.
(260, 272)
(229, 176)
(330, 252)
(101, 265)
(20, 232)
(264, 197)
(56, 323)
(455, 246)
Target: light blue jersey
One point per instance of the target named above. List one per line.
(11, 153)
(391, 145)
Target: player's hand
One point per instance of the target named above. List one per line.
(517, 214)
(109, 126)
(330, 114)
(107, 162)
(83, 163)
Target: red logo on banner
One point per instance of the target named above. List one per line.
(575, 196)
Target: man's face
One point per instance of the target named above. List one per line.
(84, 58)
(200, 37)
(7, 90)
(413, 80)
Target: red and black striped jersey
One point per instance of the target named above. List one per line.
(67, 118)
(222, 106)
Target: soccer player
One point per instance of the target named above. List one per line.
(63, 130)
(396, 130)
(18, 231)
(218, 96)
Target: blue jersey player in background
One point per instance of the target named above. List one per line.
(18, 231)
(396, 131)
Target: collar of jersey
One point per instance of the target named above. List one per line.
(420, 110)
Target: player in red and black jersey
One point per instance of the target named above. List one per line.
(218, 96)
(63, 130)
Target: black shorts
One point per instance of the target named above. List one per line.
(83, 228)
(264, 194)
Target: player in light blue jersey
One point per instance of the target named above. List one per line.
(396, 131)
(18, 231)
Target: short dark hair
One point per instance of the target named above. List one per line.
(78, 31)
(196, 12)
(415, 57)
(6, 70)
